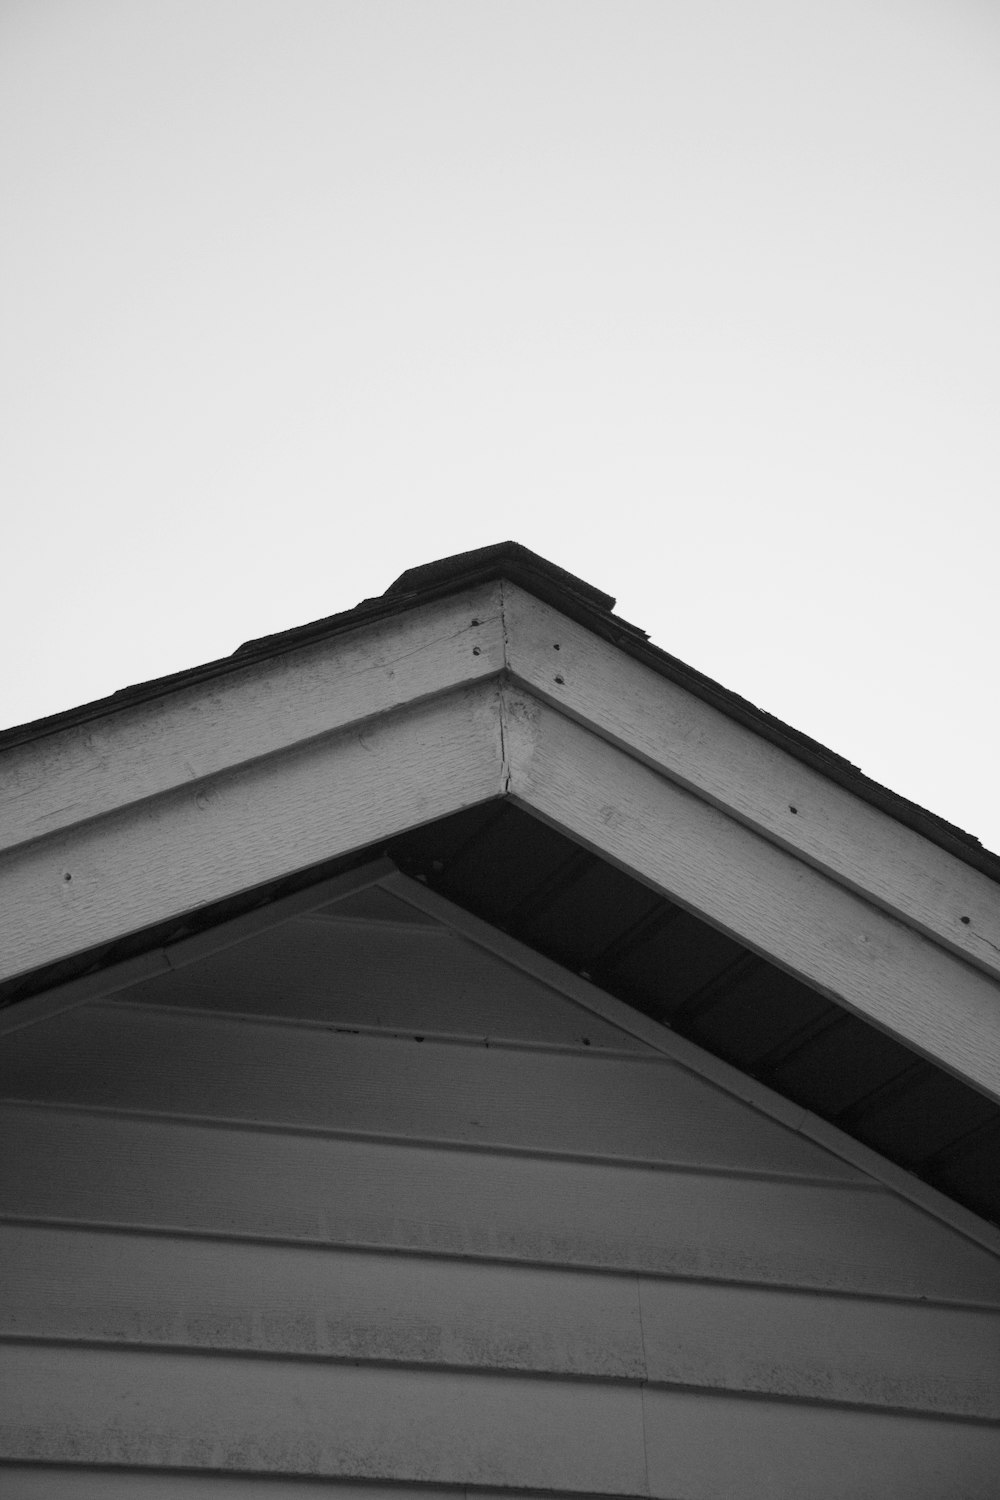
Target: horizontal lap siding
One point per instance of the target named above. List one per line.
(644, 1108)
(182, 1411)
(42, 1482)
(558, 1264)
(217, 1296)
(113, 1170)
(341, 973)
(823, 1348)
(719, 1448)
(176, 1411)
(272, 1299)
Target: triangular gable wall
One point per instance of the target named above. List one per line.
(490, 1227)
(863, 933)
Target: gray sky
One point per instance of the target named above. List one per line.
(700, 300)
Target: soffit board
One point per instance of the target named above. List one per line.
(530, 882)
(406, 720)
(321, 684)
(347, 894)
(529, 886)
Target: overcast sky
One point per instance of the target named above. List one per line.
(701, 300)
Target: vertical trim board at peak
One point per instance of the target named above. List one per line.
(759, 894)
(756, 782)
(249, 709)
(278, 815)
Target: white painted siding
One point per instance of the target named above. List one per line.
(254, 1231)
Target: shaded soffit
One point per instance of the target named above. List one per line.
(514, 871)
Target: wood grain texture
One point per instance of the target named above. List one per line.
(93, 1406)
(248, 711)
(345, 974)
(192, 846)
(73, 1285)
(774, 903)
(756, 782)
(592, 1105)
(107, 1170)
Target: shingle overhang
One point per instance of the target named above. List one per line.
(579, 601)
(493, 726)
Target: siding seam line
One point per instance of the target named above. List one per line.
(383, 1248)
(502, 1149)
(502, 1372)
(644, 1380)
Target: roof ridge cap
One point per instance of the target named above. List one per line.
(500, 559)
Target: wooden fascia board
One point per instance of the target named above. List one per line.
(698, 747)
(766, 897)
(165, 807)
(253, 710)
(188, 950)
(203, 841)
